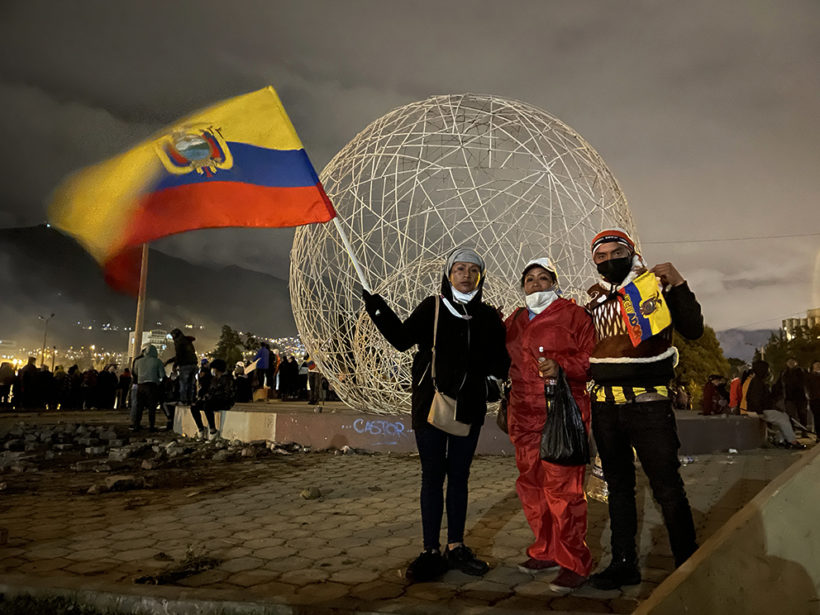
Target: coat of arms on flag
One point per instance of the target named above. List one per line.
(643, 307)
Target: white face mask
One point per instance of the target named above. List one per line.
(539, 301)
(461, 297)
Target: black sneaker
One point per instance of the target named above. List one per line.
(462, 558)
(428, 566)
(621, 571)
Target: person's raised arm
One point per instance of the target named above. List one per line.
(687, 317)
(400, 335)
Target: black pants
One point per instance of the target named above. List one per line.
(147, 399)
(208, 406)
(650, 428)
(443, 455)
(814, 406)
(797, 409)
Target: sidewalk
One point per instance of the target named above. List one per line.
(265, 548)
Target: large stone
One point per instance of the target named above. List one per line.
(86, 465)
(123, 482)
(118, 454)
(176, 452)
(96, 450)
(222, 455)
(312, 493)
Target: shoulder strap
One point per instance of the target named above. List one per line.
(433, 359)
(435, 330)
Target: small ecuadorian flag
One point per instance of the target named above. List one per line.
(237, 163)
(643, 307)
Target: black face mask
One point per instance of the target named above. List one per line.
(615, 270)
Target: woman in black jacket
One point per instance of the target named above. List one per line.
(470, 347)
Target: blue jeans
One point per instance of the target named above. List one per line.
(443, 455)
(649, 427)
(186, 384)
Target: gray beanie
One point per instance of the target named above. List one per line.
(463, 255)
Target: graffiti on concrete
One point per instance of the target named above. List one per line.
(392, 431)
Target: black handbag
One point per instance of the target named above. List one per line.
(564, 440)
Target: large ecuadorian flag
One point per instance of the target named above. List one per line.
(643, 307)
(237, 163)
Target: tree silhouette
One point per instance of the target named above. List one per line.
(698, 359)
(229, 348)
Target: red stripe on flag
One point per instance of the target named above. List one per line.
(212, 205)
(225, 204)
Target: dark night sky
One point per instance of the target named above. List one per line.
(707, 113)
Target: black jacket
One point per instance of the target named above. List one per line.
(184, 353)
(475, 347)
(222, 392)
(758, 395)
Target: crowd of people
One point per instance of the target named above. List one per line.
(151, 385)
(33, 387)
(788, 401)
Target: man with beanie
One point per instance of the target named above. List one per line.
(631, 404)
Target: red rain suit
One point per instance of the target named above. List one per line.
(552, 496)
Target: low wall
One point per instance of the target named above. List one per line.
(335, 427)
(338, 426)
(700, 434)
(765, 560)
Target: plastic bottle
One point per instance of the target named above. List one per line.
(549, 383)
(596, 487)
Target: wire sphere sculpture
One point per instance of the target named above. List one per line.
(498, 175)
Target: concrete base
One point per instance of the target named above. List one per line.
(764, 560)
(700, 434)
(334, 425)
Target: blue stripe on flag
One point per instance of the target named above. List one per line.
(254, 165)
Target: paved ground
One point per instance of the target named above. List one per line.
(261, 545)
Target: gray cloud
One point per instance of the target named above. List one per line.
(705, 112)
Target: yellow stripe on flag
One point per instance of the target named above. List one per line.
(96, 204)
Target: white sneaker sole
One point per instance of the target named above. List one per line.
(539, 571)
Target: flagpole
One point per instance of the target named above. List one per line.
(138, 324)
(352, 256)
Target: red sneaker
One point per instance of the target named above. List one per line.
(533, 565)
(567, 581)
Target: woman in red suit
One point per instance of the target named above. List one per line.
(550, 333)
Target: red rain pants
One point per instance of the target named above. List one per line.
(555, 506)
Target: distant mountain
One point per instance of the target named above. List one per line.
(741, 343)
(43, 271)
